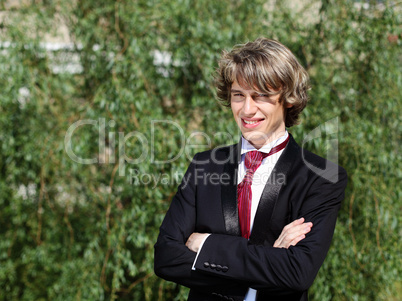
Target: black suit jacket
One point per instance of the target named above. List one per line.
(301, 185)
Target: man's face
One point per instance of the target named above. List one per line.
(259, 116)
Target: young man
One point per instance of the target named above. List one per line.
(225, 234)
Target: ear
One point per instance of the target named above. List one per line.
(288, 105)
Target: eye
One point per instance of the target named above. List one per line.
(237, 95)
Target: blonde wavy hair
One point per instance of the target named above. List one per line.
(270, 68)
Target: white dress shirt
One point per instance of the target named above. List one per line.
(260, 178)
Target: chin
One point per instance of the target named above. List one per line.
(255, 140)
(257, 137)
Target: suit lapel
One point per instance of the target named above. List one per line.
(269, 197)
(229, 192)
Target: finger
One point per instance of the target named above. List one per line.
(297, 221)
(292, 232)
(297, 240)
(279, 241)
(289, 241)
(291, 235)
(303, 227)
(299, 229)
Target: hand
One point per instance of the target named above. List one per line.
(293, 233)
(195, 240)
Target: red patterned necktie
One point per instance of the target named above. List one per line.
(252, 161)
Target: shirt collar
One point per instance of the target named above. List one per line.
(247, 146)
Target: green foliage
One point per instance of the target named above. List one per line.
(72, 231)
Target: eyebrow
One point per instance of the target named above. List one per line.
(254, 93)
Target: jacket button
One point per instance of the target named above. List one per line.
(225, 269)
(218, 267)
(213, 266)
(206, 264)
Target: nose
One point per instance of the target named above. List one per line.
(249, 107)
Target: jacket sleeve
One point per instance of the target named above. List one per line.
(173, 261)
(280, 270)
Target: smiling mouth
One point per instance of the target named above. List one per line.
(251, 123)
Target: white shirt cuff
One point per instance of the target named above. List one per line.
(199, 250)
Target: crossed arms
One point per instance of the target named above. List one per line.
(290, 235)
(290, 265)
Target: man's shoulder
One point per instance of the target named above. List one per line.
(217, 156)
(222, 152)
